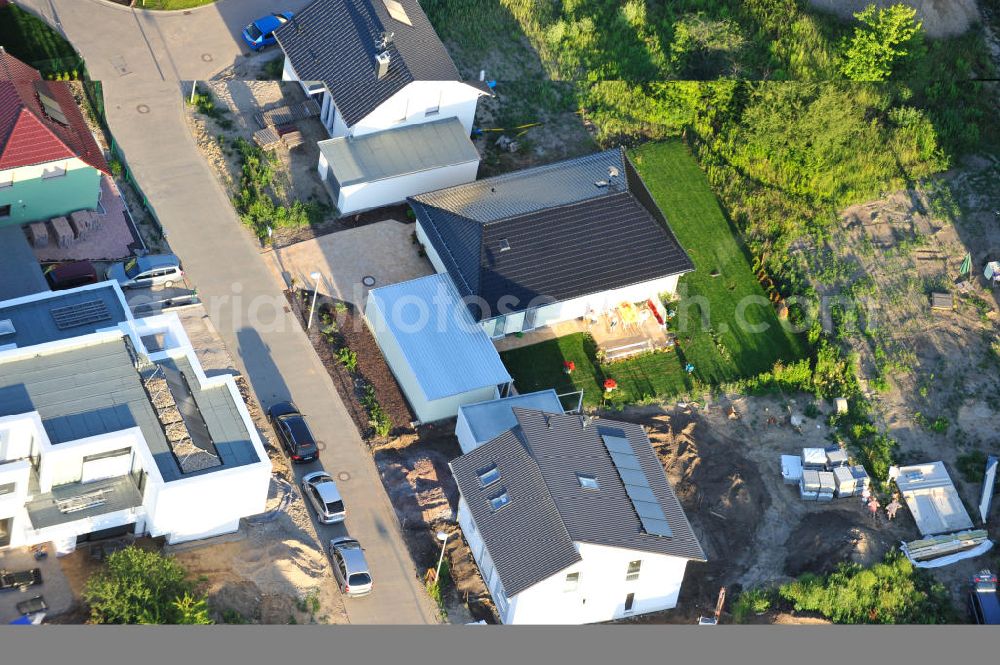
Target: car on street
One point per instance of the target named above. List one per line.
(350, 567)
(260, 33)
(324, 497)
(71, 275)
(146, 271)
(984, 601)
(296, 437)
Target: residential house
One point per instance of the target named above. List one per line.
(50, 163)
(439, 356)
(535, 247)
(377, 66)
(571, 520)
(109, 425)
(482, 422)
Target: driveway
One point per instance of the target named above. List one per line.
(145, 112)
(118, 42)
(352, 262)
(54, 588)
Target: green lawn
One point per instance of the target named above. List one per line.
(32, 41)
(168, 5)
(723, 350)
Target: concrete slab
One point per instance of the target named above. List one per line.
(384, 251)
(54, 588)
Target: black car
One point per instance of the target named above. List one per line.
(984, 602)
(294, 433)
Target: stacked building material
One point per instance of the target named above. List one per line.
(38, 234)
(61, 231)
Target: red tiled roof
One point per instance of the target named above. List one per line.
(27, 135)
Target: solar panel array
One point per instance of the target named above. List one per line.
(80, 314)
(637, 487)
(51, 106)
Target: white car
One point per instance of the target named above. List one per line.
(350, 567)
(322, 494)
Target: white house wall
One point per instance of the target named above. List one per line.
(409, 106)
(378, 193)
(602, 588)
(12, 504)
(432, 253)
(576, 308)
(463, 432)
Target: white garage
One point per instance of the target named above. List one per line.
(440, 356)
(384, 168)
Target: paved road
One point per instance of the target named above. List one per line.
(244, 301)
(118, 42)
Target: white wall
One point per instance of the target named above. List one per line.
(22, 173)
(425, 410)
(600, 593)
(432, 253)
(364, 196)
(576, 308)
(12, 505)
(409, 106)
(463, 432)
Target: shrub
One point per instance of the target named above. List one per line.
(378, 418)
(885, 37)
(348, 358)
(889, 592)
(751, 601)
(972, 465)
(137, 586)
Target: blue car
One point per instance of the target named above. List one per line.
(260, 33)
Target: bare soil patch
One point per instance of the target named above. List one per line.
(941, 18)
(346, 329)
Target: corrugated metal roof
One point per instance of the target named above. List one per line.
(526, 539)
(20, 274)
(447, 350)
(488, 420)
(34, 323)
(93, 390)
(398, 152)
(334, 41)
(549, 234)
(543, 457)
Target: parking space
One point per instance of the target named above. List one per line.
(348, 266)
(55, 588)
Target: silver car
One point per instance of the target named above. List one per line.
(350, 567)
(146, 271)
(322, 494)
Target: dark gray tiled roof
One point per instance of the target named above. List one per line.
(334, 41)
(540, 459)
(567, 236)
(20, 274)
(96, 389)
(526, 539)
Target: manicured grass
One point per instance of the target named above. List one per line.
(168, 5)
(31, 40)
(714, 316)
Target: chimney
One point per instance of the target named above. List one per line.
(382, 65)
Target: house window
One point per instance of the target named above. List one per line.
(572, 582)
(633, 571)
(587, 482)
(489, 475)
(629, 601)
(500, 500)
(435, 108)
(5, 211)
(7, 488)
(54, 171)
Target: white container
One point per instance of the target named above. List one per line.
(809, 486)
(791, 469)
(813, 458)
(846, 483)
(827, 486)
(835, 457)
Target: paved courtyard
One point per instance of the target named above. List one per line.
(114, 240)
(54, 588)
(346, 258)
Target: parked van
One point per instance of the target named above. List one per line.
(146, 271)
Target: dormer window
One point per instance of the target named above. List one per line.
(504, 245)
(489, 475)
(498, 501)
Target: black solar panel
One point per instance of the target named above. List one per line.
(50, 106)
(80, 314)
(637, 487)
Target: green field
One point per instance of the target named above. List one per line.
(713, 315)
(32, 41)
(169, 5)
